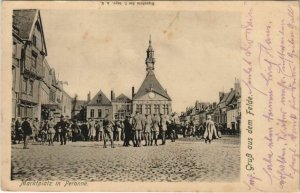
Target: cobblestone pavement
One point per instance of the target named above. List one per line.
(187, 160)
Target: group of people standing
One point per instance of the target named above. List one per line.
(135, 128)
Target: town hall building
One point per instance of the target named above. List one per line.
(151, 98)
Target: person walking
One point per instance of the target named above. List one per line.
(172, 130)
(92, 130)
(27, 132)
(63, 126)
(155, 129)
(147, 130)
(138, 127)
(210, 130)
(108, 131)
(127, 131)
(50, 130)
(163, 125)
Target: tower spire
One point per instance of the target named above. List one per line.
(150, 60)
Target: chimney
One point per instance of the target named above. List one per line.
(214, 105)
(112, 95)
(221, 95)
(89, 96)
(132, 91)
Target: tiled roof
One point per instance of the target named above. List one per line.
(151, 82)
(23, 20)
(227, 98)
(99, 99)
(122, 98)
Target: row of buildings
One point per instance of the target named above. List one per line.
(36, 90)
(151, 98)
(226, 112)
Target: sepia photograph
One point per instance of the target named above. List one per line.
(150, 96)
(108, 96)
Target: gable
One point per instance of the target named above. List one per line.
(151, 84)
(122, 99)
(27, 21)
(100, 99)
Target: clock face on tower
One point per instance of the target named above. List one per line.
(151, 95)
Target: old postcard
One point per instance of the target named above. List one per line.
(150, 96)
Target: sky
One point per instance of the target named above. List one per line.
(197, 52)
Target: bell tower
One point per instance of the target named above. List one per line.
(150, 60)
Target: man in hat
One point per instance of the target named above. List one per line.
(137, 127)
(108, 131)
(127, 131)
(155, 128)
(63, 126)
(147, 129)
(27, 131)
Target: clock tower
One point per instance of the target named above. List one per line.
(151, 97)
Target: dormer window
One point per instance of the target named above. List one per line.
(99, 99)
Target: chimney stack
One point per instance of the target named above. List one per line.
(89, 96)
(112, 95)
(132, 91)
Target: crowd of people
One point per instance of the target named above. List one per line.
(132, 131)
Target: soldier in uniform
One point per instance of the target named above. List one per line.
(173, 130)
(108, 131)
(155, 129)
(27, 131)
(127, 131)
(163, 124)
(147, 130)
(137, 127)
(75, 131)
(63, 126)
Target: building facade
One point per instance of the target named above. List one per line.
(151, 98)
(98, 107)
(36, 92)
(121, 106)
(30, 52)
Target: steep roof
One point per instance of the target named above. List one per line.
(149, 83)
(227, 98)
(99, 99)
(122, 98)
(23, 20)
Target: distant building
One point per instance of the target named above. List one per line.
(228, 112)
(98, 107)
(121, 106)
(151, 97)
(66, 103)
